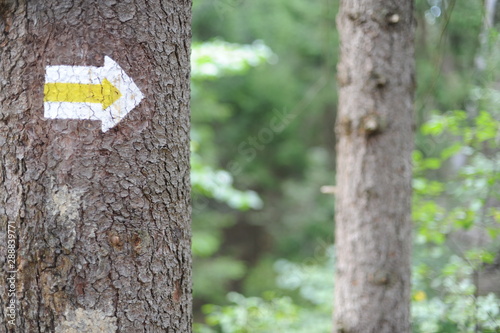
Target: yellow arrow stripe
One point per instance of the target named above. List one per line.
(104, 93)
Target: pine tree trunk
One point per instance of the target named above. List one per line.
(375, 140)
(100, 220)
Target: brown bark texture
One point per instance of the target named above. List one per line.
(101, 220)
(375, 141)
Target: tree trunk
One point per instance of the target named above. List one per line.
(489, 13)
(375, 140)
(95, 223)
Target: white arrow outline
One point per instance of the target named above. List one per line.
(112, 115)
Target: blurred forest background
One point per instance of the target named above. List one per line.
(263, 145)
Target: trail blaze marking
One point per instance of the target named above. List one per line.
(103, 93)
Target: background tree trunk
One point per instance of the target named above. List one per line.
(102, 219)
(375, 140)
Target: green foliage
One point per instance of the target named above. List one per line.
(308, 278)
(307, 310)
(306, 213)
(212, 60)
(237, 90)
(444, 295)
(456, 308)
(252, 314)
(218, 184)
(213, 272)
(464, 158)
(211, 277)
(475, 183)
(208, 61)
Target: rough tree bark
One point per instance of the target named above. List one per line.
(101, 219)
(375, 140)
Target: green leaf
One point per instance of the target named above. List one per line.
(217, 58)
(432, 163)
(493, 232)
(480, 256)
(205, 243)
(451, 150)
(434, 127)
(486, 127)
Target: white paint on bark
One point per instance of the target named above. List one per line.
(64, 104)
(86, 321)
(66, 204)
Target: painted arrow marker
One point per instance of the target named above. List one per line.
(103, 93)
